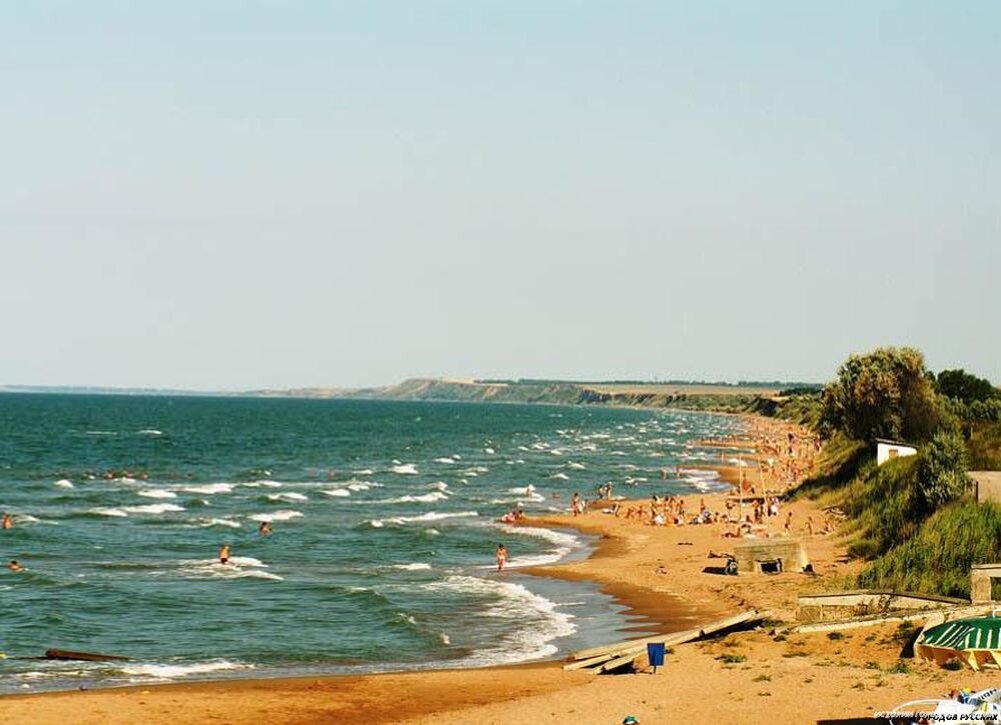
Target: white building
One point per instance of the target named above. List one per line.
(888, 450)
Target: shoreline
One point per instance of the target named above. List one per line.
(622, 564)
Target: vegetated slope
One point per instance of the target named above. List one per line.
(802, 406)
(909, 543)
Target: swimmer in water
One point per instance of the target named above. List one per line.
(15, 565)
(8, 522)
(501, 557)
(265, 528)
(224, 554)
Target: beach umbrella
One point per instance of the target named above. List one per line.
(975, 641)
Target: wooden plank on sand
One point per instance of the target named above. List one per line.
(736, 619)
(609, 657)
(612, 650)
(619, 662)
(632, 648)
(590, 662)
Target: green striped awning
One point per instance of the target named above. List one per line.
(965, 634)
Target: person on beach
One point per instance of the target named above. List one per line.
(8, 522)
(788, 526)
(265, 528)
(224, 554)
(15, 565)
(501, 557)
(575, 503)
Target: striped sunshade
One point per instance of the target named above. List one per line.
(965, 634)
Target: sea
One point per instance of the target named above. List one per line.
(384, 518)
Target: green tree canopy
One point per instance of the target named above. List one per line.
(883, 394)
(960, 385)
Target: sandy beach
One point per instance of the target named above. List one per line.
(659, 573)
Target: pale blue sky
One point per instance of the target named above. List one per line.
(244, 194)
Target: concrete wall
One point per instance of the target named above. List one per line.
(840, 605)
(988, 485)
(787, 549)
(980, 581)
(889, 451)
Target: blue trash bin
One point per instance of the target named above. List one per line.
(655, 653)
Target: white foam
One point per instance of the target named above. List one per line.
(220, 522)
(539, 618)
(533, 497)
(489, 451)
(101, 511)
(429, 516)
(288, 497)
(153, 508)
(264, 483)
(282, 515)
(171, 672)
(561, 476)
(439, 486)
(526, 490)
(238, 567)
(63, 483)
(210, 488)
(157, 493)
(405, 469)
(365, 472)
(444, 460)
(354, 485)
(341, 492)
(246, 561)
(416, 566)
(150, 432)
(423, 498)
(564, 543)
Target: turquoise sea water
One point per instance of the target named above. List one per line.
(384, 518)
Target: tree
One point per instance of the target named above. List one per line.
(942, 470)
(883, 394)
(960, 385)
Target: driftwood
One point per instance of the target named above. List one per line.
(63, 654)
(613, 656)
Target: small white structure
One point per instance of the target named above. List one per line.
(888, 450)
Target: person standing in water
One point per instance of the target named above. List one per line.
(15, 565)
(8, 522)
(224, 554)
(501, 557)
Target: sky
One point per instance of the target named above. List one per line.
(236, 194)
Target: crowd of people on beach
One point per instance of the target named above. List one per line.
(782, 458)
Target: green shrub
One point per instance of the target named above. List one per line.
(942, 470)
